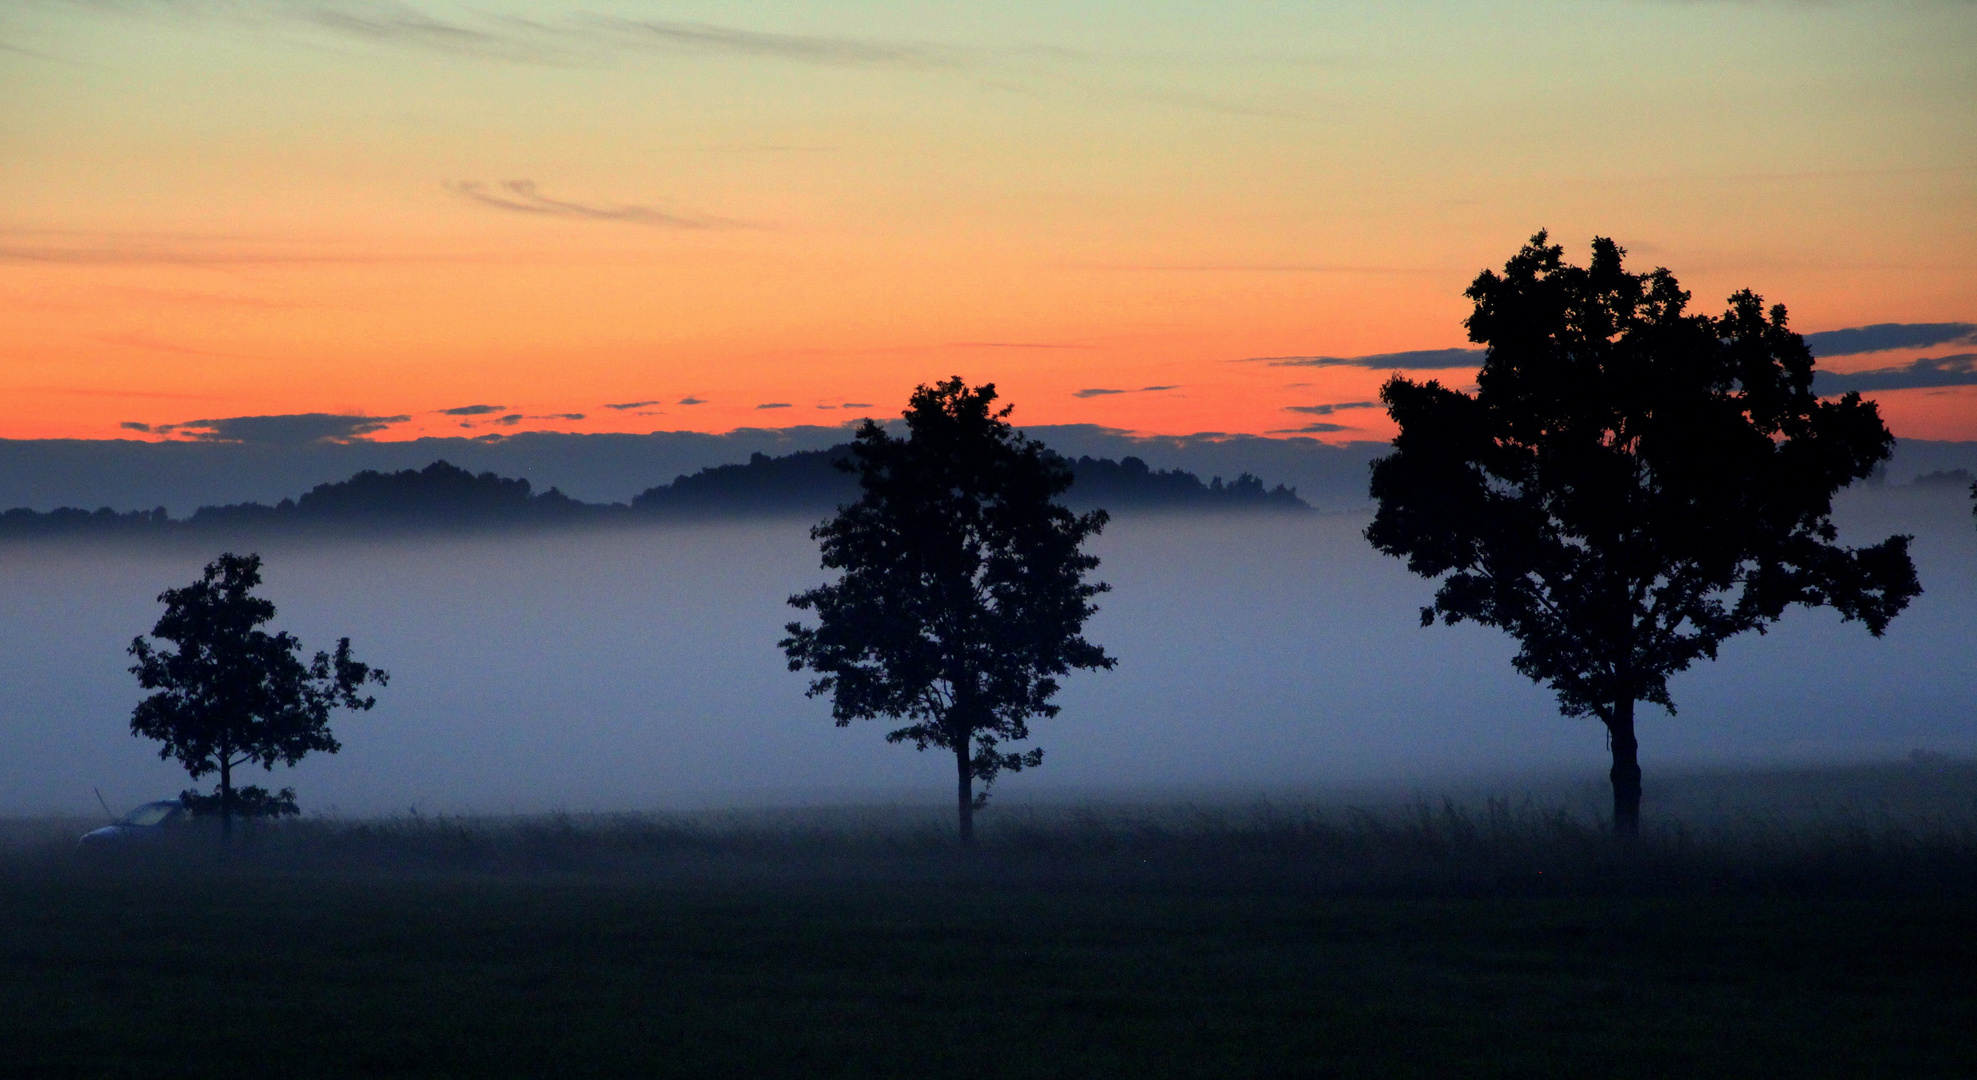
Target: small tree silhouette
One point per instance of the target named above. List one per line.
(233, 694)
(1629, 486)
(963, 594)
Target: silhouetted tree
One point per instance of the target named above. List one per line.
(963, 594)
(233, 694)
(1629, 485)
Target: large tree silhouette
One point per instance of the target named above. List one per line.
(233, 694)
(962, 597)
(1629, 485)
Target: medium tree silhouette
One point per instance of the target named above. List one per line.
(233, 694)
(963, 595)
(1629, 485)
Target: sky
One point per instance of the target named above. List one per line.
(434, 218)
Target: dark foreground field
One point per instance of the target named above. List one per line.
(1417, 941)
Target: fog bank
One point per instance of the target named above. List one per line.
(637, 669)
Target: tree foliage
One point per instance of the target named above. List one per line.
(1630, 485)
(962, 598)
(231, 694)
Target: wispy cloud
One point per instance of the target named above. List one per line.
(70, 247)
(293, 429)
(19, 50)
(1012, 345)
(523, 197)
(1329, 409)
(1313, 429)
(115, 252)
(691, 400)
(1104, 391)
(140, 341)
(97, 391)
(1417, 359)
(574, 39)
(600, 40)
(472, 410)
(182, 297)
(559, 416)
(623, 405)
(773, 405)
(830, 50)
(1881, 337)
(397, 23)
(1925, 373)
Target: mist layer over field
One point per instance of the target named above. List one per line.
(637, 669)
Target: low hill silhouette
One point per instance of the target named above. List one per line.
(443, 496)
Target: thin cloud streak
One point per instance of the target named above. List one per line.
(1329, 409)
(81, 391)
(291, 429)
(589, 40)
(1010, 345)
(1881, 337)
(803, 48)
(523, 197)
(1104, 391)
(1419, 359)
(19, 50)
(134, 341)
(1927, 373)
(64, 247)
(597, 41)
(397, 23)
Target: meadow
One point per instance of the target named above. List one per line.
(1810, 922)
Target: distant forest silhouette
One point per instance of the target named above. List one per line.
(445, 496)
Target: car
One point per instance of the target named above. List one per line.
(147, 822)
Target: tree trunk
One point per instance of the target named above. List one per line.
(965, 786)
(226, 798)
(1626, 774)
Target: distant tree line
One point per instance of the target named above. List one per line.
(811, 481)
(444, 496)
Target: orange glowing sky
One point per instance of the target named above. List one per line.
(221, 209)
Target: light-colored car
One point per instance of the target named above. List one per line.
(147, 822)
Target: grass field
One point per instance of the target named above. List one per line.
(1423, 940)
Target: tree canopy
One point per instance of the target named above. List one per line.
(232, 694)
(1630, 485)
(962, 596)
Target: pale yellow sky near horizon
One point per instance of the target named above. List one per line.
(223, 209)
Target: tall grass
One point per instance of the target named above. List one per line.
(1495, 845)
